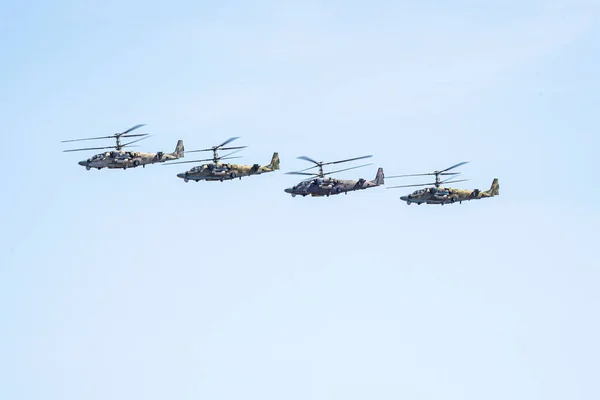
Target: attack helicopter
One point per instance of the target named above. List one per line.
(319, 185)
(444, 195)
(120, 158)
(217, 171)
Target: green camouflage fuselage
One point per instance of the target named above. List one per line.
(320, 186)
(449, 195)
(130, 159)
(223, 171)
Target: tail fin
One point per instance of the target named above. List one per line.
(379, 177)
(495, 188)
(274, 161)
(179, 149)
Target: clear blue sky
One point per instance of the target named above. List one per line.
(133, 284)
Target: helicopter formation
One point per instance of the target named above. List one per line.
(317, 184)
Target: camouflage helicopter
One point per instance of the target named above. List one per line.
(217, 171)
(443, 195)
(318, 185)
(120, 158)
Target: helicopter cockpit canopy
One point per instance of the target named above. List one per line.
(98, 157)
(419, 192)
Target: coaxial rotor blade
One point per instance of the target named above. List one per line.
(227, 155)
(454, 166)
(229, 158)
(460, 180)
(90, 148)
(346, 169)
(191, 161)
(224, 148)
(232, 148)
(305, 158)
(447, 179)
(402, 176)
(349, 159)
(130, 129)
(300, 173)
(403, 186)
(227, 141)
(309, 168)
(94, 138)
(135, 141)
(136, 134)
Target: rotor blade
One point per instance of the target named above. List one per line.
(191, 161)
(127, 144)
(90, 148)
(346, 169)
(448, 173)
(227, 141)
(232, 148)
(94, 138)
(460, 180)
(308, 159)
(349, 159)
(447, 179)
(130, 129)
(300, 173)
(227, 155)
(229, 158)
(402, 176)
(454, 166)
(136, 134)
(403, 186)
(224, 148)
(306, 169)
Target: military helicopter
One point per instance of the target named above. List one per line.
(217, 171)
(120, 158)
(443, 195)
(319, 185)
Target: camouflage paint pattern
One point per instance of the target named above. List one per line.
(450, 195)
(320, 187)
(130, 159)
(223, 171)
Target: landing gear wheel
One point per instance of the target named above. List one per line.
(232, 175)
(88, 167)
(408, 202)
(136, 163)
(186, 180)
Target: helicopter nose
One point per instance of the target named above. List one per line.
(403, 198)
(182, 175)
(82, 163)
(288, 190)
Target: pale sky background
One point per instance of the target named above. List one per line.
(135, 285)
